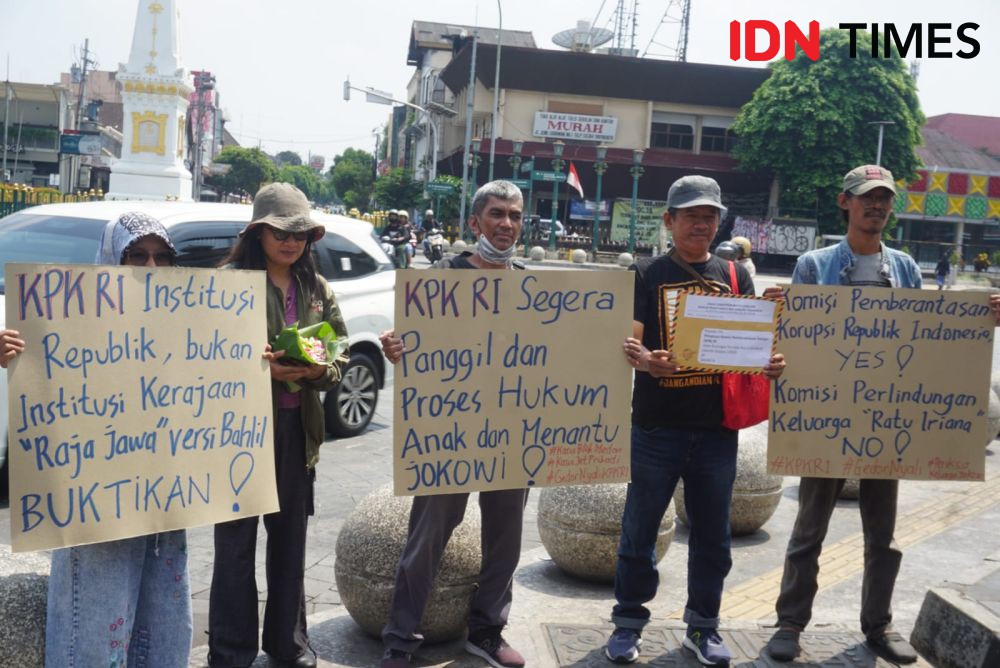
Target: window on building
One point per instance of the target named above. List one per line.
(672, 135)
(717, 140)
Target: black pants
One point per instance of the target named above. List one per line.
(232, 615)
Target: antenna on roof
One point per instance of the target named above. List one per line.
(626, 21)
(678, 13)
(583, 38)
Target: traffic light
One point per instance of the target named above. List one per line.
(347, 89)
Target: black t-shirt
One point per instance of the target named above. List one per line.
(688, 399)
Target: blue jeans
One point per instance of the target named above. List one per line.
(706, 461)
(121, 603)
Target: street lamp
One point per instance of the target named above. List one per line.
(557, 165)
(636, 171)
(496, 90)
(881, 128)
(474, 159)
(600, 166)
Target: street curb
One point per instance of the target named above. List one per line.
(955, 631)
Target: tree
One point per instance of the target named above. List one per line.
(250, 168)
(352, 177)
(396, 189)
(288, 158)
(305, 179)
(808, 124)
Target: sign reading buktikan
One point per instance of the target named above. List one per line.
(882, 383)
(575, 126)
(511, 379)
(140, 404)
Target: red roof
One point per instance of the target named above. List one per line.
(978, 132)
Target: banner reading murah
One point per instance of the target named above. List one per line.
(511, 379)
(882, 383)
(140, 404)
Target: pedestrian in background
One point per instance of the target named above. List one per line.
(941, 271)
(279, 240)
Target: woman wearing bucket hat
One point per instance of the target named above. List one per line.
(279, 240)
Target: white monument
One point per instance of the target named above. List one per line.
(155, 90)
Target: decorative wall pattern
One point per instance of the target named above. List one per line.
(950, 194)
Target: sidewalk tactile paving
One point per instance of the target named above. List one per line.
(581, 646)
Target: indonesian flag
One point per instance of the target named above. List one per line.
(573, 180)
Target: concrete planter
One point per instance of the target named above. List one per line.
(756, 493)
(24, 586)
(368, 550)
(580, 527)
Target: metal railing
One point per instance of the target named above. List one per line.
(16, 196)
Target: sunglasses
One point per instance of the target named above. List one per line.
(140, 258)
(281, 235)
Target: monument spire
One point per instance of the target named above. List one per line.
(155, 91)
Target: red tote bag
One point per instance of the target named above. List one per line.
(745, 397)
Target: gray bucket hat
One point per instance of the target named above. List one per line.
(695, 190)
(283, 207)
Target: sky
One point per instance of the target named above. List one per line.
(280, 64)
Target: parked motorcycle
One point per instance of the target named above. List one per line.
(434, 245)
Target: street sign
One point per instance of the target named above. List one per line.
(440, 188)
(527, 167)
(549, 176)
(80, 144)
(523, 184)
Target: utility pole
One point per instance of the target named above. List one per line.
(470, 95)
(74, 176)
(6, 121)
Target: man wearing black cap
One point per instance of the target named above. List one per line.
(859, 259)
(677, 433)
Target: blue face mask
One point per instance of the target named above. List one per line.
(492, 254)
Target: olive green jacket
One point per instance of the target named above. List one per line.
(311, 310)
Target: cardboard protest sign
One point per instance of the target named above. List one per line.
(140, 404)
(723, 332)
(511, 379)
(882, 383)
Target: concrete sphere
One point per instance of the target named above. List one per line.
(24, 585)
(625, 260)
(537, 253)
(459, 246)
(580, 527)
(993, 415)
(851, 490)
(578, 256)
(756, 493)
(368, 550)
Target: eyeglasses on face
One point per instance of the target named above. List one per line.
(140, 258)
(281, 235)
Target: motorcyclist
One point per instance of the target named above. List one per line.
(397, 233)
(737, 249)
(411, 246)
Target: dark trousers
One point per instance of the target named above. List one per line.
(232, 616)
(706, 460)
(817, 499)
(432, 520)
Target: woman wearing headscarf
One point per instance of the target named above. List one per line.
(122, 602)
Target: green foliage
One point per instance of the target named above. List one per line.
(288, 158)
(447, 212)
(305, 179)
(251, 168)
(352, 178)
(996, 258)
(396, 189)
(808, 123)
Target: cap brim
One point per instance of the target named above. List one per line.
(700, 202)
(868, 186)
(318, 230)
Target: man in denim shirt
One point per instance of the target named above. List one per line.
(859, 259)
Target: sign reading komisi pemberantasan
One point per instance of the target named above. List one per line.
(140, 404)
(882, 383)
(575, 126)
(511, 379)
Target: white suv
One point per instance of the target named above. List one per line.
(349, 256)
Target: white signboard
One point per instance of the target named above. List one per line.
(575, 126)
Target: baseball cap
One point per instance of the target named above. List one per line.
(695, 190)
(861, 179)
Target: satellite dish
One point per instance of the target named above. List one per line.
(583, 37)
